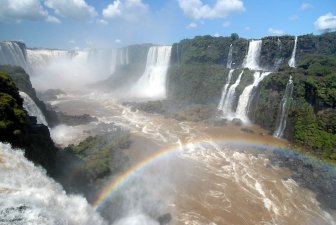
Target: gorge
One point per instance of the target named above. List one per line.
(183, 134)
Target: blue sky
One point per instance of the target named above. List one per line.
(82, 24)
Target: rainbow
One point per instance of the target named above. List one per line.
(120, 180)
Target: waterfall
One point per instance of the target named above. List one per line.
(292, 62)
(230, 97)
(39, 58)
(284, 109)
(14, 53)
(229, 60)
(253, 54)
(245, 97)
(152, 84)
(225, 91)
(29, 196)
(123, 56)
(33, 109)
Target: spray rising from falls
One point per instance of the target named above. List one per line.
(152, 84)
(29, 196)
(245, 97)
(253, 55)
(32, 108)
(230, 97)
(284, 109)
(292, 62)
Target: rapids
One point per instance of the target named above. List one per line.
(213, 175)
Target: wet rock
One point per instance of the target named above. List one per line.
(237, 122)
(164, 219)
(246, 130)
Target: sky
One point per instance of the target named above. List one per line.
(81, 24)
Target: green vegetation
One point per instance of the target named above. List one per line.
(18, 129)
(311, 123)
(101, 155)
(198, 73)
(22, 82)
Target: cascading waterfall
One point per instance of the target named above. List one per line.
(39, 58)
(284, 109)
(225, 91)
(152, 84)
(292, 62)
(245, 97)
(11, 53)
(29, 196)
(229, 60)
(253, 55)
(33, 109)
(230, 97)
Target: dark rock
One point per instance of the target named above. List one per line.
(246, 130)
(164, 219)
(237, 122)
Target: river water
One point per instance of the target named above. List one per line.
(211, 175)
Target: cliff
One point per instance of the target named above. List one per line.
(199, 71)
(20, 130)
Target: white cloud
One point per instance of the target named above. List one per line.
(273, 31)
(53, 19)
(216, 35)
(118, 41)
(129, 10)
(17, 10)
(325, 22)
(192, 25)
(74, 9)
(293, 18)
(247, 28)
(72, 42)
(102, 22)
(226, 24)
(305, 6)
(196, 9)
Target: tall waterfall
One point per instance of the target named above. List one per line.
(152, 84)
(292, 62)
(245, 97)
(253, 55)
(230, 97)
(14, 53)
(229, 60)
(29, 196)
(284, 109)
(225, 91)
(32, 108)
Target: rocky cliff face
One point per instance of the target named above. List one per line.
(22, 81)
(199, 70)
(20, 130)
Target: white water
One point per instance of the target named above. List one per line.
(12, 54)
(253, 55)
(152, 84)
(245, 97)
(284, 109)
(230, 97)
(32, 108)
(229, 60)
(292, 62)
(225, 91)
(29, 197)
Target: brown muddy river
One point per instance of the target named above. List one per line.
(205, 174)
